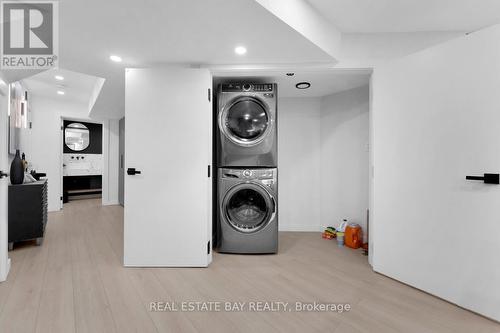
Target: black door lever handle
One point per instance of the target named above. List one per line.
(133, 171)
(488, 178)
(3, 174)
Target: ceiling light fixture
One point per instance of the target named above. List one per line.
(240, 50)
(60, 92)
(302, 85)
(115, 58)
(59, 77)
(290, 74)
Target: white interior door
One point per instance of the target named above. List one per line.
(436, 119)
(167, 139)
(4, 183)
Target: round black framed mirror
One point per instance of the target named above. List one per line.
(77, 136)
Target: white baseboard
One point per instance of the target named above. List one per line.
(52, 209)
(301, 228)
(110, 203)
(7, 270)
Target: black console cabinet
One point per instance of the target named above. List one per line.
(27, 212)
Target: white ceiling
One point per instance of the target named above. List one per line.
(175, 31)
(179, 31)
(77, 87)
(323, 83)
(196, 32)
(373, 16)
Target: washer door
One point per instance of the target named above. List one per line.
(245, 121)
(248, 207)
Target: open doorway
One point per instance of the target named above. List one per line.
(82, 160)
(323, 145)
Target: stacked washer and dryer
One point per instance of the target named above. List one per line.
(247, 183)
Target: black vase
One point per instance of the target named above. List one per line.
(17, 170)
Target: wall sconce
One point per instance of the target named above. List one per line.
(18, 107)
(24, 114)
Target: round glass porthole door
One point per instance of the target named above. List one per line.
(245, 121)
(248, 208)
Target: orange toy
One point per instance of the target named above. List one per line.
(353, 236)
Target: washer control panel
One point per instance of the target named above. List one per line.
(250, 174)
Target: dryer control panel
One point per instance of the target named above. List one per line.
(255, 87)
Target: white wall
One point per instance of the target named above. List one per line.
(344, 157)
(323, 160)
(374, 47)
(299, 163)
(43, 145)
(44, 141)
(436, 119)
(306, 20)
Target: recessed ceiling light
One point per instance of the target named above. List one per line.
(60, 92)
(59, 77)
(302, 85)
(115, 58)
(240, 50)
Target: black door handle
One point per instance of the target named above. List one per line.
(133, 171)
(3, 174)
(488, 178)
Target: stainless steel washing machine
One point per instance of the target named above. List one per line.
(248, 210)
(247, 125)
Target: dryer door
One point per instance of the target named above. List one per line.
(248, 207)
(245, 121)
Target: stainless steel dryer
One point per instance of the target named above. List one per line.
(247, 125)
(248, 210)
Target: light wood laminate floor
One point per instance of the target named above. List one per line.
(75, 282)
